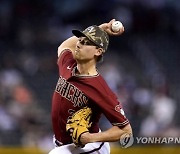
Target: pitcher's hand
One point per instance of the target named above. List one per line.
(107, 27)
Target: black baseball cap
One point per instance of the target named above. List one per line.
(94, 34)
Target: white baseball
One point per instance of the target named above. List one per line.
(116, 26)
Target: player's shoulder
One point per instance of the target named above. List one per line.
(102, 84)
(65, 58)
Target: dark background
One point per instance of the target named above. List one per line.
(141, 66)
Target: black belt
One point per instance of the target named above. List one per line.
(58, 143)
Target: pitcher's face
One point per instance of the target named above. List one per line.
(85, 50)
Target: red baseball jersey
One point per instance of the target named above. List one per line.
(73, 92)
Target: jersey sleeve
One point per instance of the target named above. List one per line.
(65, 60)
(113, 111)
(65, 57)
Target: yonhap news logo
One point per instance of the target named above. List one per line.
(127, 140)
(158, 140)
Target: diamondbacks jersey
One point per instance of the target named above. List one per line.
(73, 92)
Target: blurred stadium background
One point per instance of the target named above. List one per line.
(141, 66)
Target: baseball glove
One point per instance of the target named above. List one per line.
(79, 122)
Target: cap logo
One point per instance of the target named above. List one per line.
(96, 35)
(89, 29)
(92, 33)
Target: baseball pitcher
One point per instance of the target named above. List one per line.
(81, 95)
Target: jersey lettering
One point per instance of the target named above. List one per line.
(71, 92)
